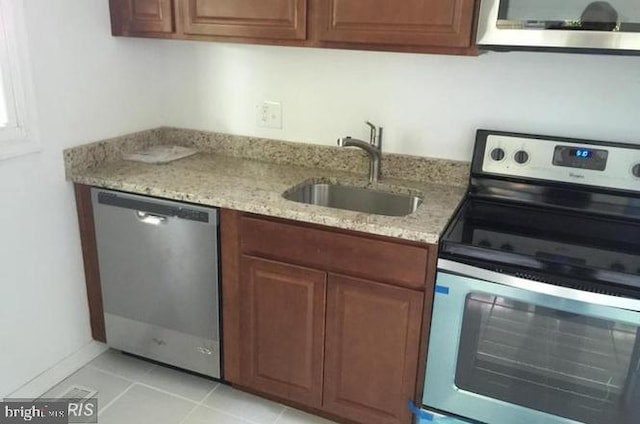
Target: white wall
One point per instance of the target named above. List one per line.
(429, 105)
(87, 86)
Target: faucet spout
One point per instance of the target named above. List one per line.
(373, 149)
(354, 142)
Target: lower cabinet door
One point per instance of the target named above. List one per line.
(282, 329)
(371, 350)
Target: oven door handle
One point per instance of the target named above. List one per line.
(539, 287)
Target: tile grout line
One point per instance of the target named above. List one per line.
(196, 404)
(101, 411)
(281, 414)
(150, 386)
(209, 394)
(231, 414)
(182, 421)
(166, 392)
(202, 404)
(134, 382)
(243, 419)
(113, 374)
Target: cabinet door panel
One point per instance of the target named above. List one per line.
(442, 23)
(282, 329)
(371, 350)
(358, 255)
(141, 16)
(276, 19)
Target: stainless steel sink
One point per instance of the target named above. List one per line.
(355, 199)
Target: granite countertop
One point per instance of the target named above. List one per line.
(251, 185)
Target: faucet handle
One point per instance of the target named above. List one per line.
(375, 135)
(372, 132)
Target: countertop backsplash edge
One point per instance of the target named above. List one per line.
(400, 166)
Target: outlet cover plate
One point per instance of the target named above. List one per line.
(269, 114)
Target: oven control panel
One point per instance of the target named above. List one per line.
(585, 163)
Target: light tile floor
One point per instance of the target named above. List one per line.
(134, 391)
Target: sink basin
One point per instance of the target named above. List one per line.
(355, 199)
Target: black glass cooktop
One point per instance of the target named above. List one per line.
(542, 243)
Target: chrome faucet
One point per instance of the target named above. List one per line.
(373, 149)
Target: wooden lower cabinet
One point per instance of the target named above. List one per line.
(307, 327)
(282, 329)
(307, 334)
(371, 350)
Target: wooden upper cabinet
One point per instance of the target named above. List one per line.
(282, 329)
(437, 23)
(435, 26)
(142, 16)
(371, 350)
(265, 19)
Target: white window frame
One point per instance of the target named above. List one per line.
(17, 137)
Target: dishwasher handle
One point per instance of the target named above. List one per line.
(149, 218)
(156, 212)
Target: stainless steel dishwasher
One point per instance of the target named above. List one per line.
(160, 282)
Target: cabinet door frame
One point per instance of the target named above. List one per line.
(125, 19)
(307, 392)
(458, 33)
(335, 395)
(294, 28)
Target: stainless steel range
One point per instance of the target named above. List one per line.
(537, 303)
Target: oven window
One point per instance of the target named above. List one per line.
(565, 364)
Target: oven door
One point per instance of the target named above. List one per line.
(505, 350)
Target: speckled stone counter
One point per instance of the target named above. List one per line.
(250, 175)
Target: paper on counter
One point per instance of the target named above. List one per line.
(160, 154)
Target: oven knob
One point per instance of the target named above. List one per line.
(617, 266)
(636, 170)
(497, 154)
(521, 156)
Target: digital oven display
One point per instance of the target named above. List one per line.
(581, 153)
(580, 157)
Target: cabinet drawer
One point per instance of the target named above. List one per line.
(360, 256)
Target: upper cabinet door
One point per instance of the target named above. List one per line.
(142, 16)
(439, 23)
(272, 19)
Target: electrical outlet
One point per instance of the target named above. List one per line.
(269, 114)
